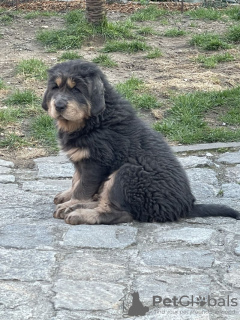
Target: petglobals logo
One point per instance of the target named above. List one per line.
(190, 301)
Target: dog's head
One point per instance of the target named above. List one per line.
(75, 93)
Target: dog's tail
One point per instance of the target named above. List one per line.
(214, 210)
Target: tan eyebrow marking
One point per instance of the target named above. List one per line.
(58, 81)
(71, 83)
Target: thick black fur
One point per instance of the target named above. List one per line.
(150, 184)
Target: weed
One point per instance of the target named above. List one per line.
(69, 55)
(125, 46)
(151, 12)
(212, 61)
(233, 34)
(32, 68)
(208, 41)
(105, 61)
(26, 97)
(174, 32)
(205, 13)
(155, 53)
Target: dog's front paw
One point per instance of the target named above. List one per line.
(59, 213)
(82, 216)
(62, 197)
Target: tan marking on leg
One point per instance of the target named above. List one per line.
(66, 195)
(71, 83)
(83, 216)
(104, 196)
(60, 210)
(77, 154)
(58, 81)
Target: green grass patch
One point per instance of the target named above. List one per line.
(105, 61)
(174, 32)
(25, 97)
(209, 41)
(135, 91)
(155, 53)
(13, 141)
(69, 55)
(151, 12)
(2, 84)
(43, 129)
(146, 31)
(77, 30)
(6, 19)
(36, 14)
(233, 34)
(32, 68)
(185, 122)
(233, 12)
(205, 14)
(213, 60)
(125, 46)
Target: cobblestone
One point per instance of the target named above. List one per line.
(53, 271)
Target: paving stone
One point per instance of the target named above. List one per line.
(230, 158)
(100, 236)
(233, 173)
(47, 186)
(203, 190)
(202, 175)
(4, 170)
(25, 301)
(5, 163)
(95, 266)
(26, 236)
(185, 258)
(170, 285)
(194, 161)
(87, 295)
(237, 249)
(11, 196)
(78, 315)
(233, 275)
(231, 190)
(55, 170)
(7, 178)
(187, 234)
(26, 265)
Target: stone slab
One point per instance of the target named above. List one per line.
(7, 178)
(55, 170)
(5, 163)
(47, 186)
(87, 295)
(233, 173)
(26, 265)
(188, 235)
(183, 258)
(26, 236)
(100, 236)
(202, 175)
(194, 162)
(231, 190)
(5, 170)
(23, 301)
(230, 158)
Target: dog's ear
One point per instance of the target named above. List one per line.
(97, 96)
(44, 102)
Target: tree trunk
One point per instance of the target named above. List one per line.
(96, 11)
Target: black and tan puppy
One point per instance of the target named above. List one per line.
(123, 169)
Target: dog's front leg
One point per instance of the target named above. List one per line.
(83, 190)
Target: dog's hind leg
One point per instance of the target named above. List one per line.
(107, 211)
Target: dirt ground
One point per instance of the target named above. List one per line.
(175, 71)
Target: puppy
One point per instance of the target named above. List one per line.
(123, 169)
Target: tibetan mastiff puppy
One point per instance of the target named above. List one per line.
(123, 169)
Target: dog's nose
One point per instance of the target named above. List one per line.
(60, 105)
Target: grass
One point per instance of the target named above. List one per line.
(145, 31)
(205, 14)
(105, 61)
(77, 30)
(233, 34)
(213, 60)
(2, 84)
(155, 53)
(33, 68)
(69, 55)
(125, 46)
(174, 32)
(25, 97)
(185, 122)
(12, 140)
(6, 19)
(135, 91)
(36, 14)
(151, 12)
(209, 41)
(43, 129)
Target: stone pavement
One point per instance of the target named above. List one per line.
(53, 271)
